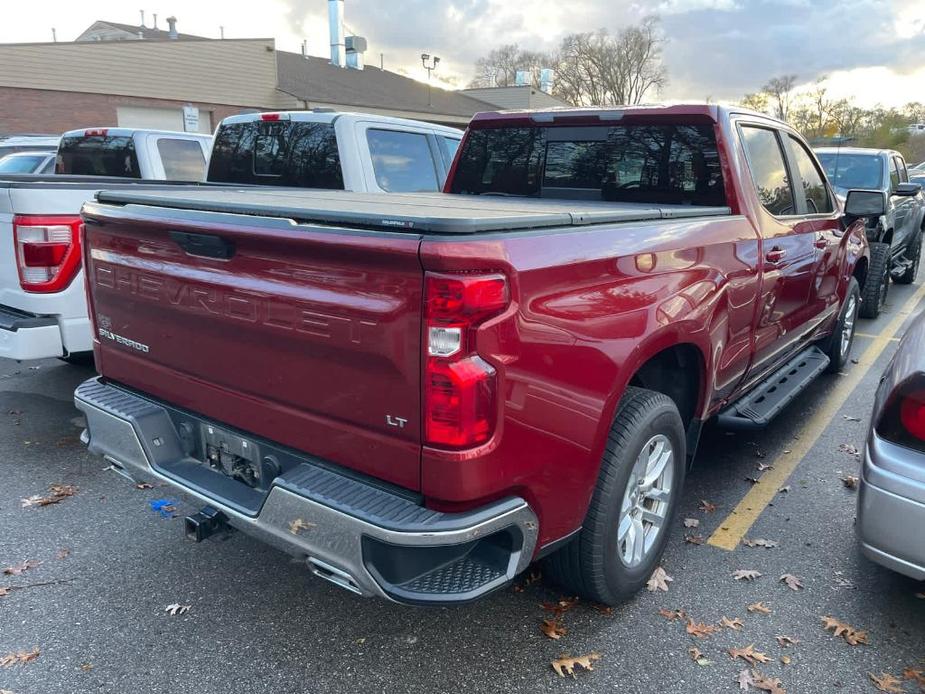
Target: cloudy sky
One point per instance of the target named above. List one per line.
(873, 50)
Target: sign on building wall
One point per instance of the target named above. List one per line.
(190, 119)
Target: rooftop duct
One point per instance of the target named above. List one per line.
(336, 22)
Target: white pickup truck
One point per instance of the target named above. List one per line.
(43, 309)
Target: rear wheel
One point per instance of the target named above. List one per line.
(838, 346)
(914, 254)
(633, 505)
(877, 285)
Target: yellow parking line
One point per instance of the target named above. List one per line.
(892, 339)
(735, 526)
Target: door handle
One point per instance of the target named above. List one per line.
(204, 245)
(775, 255)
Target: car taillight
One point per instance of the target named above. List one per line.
(903, 418)
(47, 251)
(459, 386)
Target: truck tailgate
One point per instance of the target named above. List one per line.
(304, 335)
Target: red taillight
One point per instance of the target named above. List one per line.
(96, 132)
(459, 386)
(274, 116)
(912, 413)
(47, 251)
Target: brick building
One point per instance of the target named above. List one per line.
(116, 76)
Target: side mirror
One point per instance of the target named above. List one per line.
(865, 203)
(907, 189)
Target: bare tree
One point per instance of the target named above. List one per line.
(500, 67)
(756, 101)
(601, 68)
(779, 89)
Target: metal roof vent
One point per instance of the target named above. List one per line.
(172, 31)
(336, 24)
(522, 78)
(356, 47)
(547, 79)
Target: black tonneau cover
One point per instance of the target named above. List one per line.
(427, 212)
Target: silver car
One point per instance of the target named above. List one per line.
(891, 501)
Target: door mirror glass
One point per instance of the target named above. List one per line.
(908, 189)
(865, 203)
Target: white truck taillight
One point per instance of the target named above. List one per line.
(47, 251)
(459, 386)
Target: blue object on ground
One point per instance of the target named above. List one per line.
(165, 507)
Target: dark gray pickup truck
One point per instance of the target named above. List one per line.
(896, 238)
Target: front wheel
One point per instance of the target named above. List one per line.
(838, 346)
(634, 502)
(877, 284)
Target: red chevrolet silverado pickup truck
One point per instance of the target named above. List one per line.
(420, 394)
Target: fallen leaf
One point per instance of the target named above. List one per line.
(672, 615)
(785, 659)
(19, 658)
(59, 492)
(553, 629)
(706, 506)
(144, 485)
(915, 675)
(886, 682)
(691, 523)
(849, 449)
(763, 467)
(698, 657)
(784, 490)
(759, 454)
(566, 664)
(561, 606)
(849, 418)
(298, 525)
(531, 578)
(603, 609)
(758, 542)
(753, 480)
(793, 583)
(744, 680)
(734, 624)
(786, 641)
(177, 609)
(22, 567)
(848, 633)
(4, 591)
(766, 684)
(850, 481)
(659, 580)
(748, 654)
(63, 553)
(693, 539)
(759, 607)
(700, 630)
(745, 575)
(86, 667)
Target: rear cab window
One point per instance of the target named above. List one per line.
(182, 160)
(277, 153)
(644, 163)
(403, 162)
(769, 170)
(98, 155)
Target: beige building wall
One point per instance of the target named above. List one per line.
(234, 72)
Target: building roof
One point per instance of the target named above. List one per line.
(522, 96)
(315, 80)
(100, 27)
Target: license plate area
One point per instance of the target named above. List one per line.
(237, 457)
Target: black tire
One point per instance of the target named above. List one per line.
(591, 565)
(79, 358)
(834, 346)
(915, 254)
(877, 284)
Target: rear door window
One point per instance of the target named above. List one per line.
(183, 160)
(901, 170)
(815, 191)
(403, 162)
(769, 172)
(98, 155)
(277, 153)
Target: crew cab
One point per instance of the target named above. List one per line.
(333, 150)
(896, 235)
(420, 394)
(43, 311)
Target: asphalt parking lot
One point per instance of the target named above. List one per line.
(94, 608)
